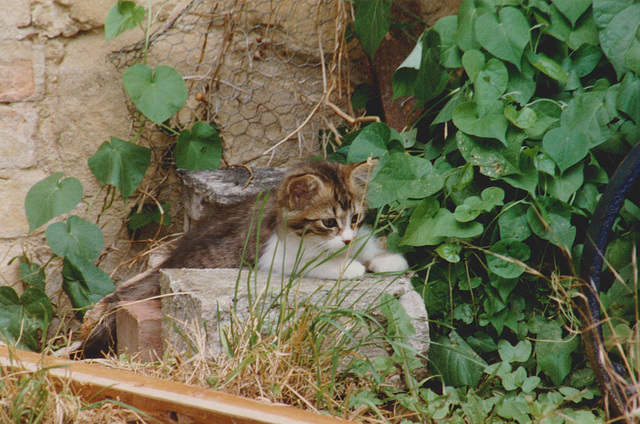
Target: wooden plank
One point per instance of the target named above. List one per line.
(167, 401)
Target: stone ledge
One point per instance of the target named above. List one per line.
(206, 298)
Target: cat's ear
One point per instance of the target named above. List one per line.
(361, 172)
(302, 190)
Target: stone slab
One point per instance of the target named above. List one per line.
(208, 300)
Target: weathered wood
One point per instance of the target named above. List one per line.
(166, 401)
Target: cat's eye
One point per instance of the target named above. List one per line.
(329, 222)
(355, 218)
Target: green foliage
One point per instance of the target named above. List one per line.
(158, 93)
(51, 197)
(26, 318)
(200, 148)
(123, 16)
(371, 23)
(120, 164)
(540, 102)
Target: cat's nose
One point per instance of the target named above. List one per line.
(347, 241)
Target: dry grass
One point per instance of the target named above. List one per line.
(36, 397)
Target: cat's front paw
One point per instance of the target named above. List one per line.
(388, 262)
(353, 270)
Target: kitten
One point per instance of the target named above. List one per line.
(311, 225)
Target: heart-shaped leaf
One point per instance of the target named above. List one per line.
(618, 39)
(200, 148)
(158, 93)
(403, 177)
(467, 118)
(120, 164)
(370, 142)
(505, 36)
(509, 249)
(572, 9)
(553, 353)
(513, 222)
(121, 17)
(565, 147)
(24, 318)
(77, 236)
(51, 197)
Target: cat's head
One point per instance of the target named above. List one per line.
(325, 201)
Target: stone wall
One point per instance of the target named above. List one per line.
(60, 98)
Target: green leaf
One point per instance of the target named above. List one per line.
(84, 283)
(431, 78)
(450, 55)
(371, 23)
(51, 197)
(523, 118)
(552, 221)
(510, 249)
(468, 13)
(547, 66)
(200, 148)
(25, 319)
(450, 252)
(553, 353)
(371, 142)
(605, 10)
(518, 353)
(403, 177)
(120, 164)
(620, 39)
(493, 158)
(473, 206)
(458, 364)
(123, 16)
(428, 229)
(505, 36)
(587, 114)
(467, 118)
(628, 100)
(562, 187)
(513, 222)
(572, 9)
(77, 236)
(565, 147)
(490, 85)
(473, 62)
(360, 96)
(158, 93)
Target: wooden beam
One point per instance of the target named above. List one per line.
(166, 401)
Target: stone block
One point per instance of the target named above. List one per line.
(203, 190)
(220, 301)
(21, 71)
(139, 329)
(17, 132)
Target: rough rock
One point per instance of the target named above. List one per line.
(202, 190)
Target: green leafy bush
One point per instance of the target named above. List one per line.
(527, 107)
